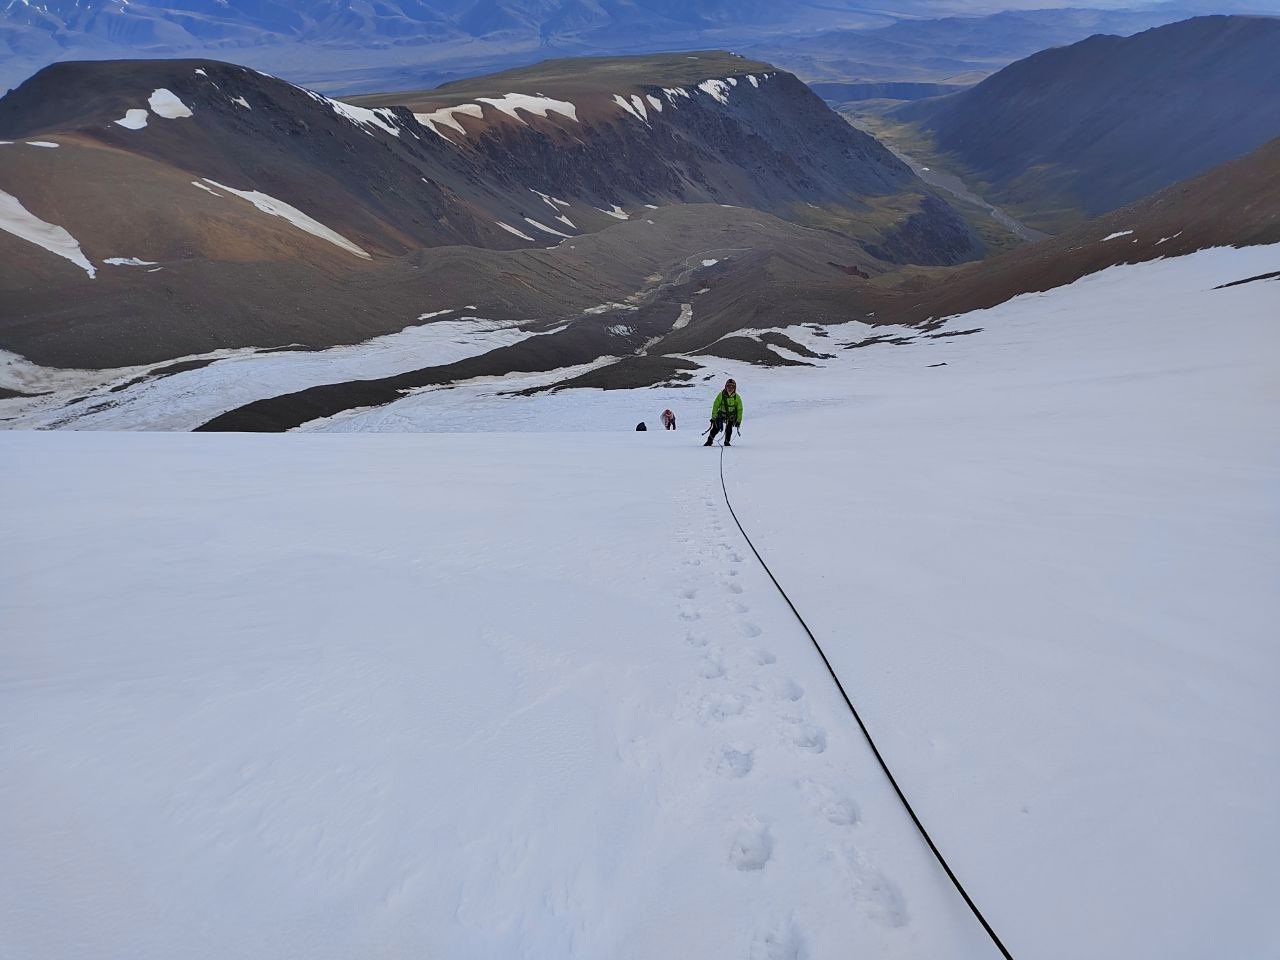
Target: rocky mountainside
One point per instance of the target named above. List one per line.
(1234, 204)
(222, 331)
(1073, 132)
(156, 210)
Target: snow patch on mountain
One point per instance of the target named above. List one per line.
(380, 119)
(717, 89)
(165, 103)
(631, 108)
(134, 119)
(515, 232)
(278, 208)
(539, 106)
(545, 229)
(444, 117)
(22, 223)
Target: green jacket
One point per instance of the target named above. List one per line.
(731, 407)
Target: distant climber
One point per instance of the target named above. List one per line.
(726, 412)
(641, 426)
(668, 420)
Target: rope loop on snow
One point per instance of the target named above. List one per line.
(973, 907)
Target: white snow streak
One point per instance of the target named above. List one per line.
(278, 208)
(512, 230)
(364, 118)
(539, 106)
(1113, 236)
(628, 106)
(22, 223)
(545, 229)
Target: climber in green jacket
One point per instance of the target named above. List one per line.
(726, 412)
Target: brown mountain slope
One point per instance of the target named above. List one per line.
(1234, 204)
(268, 215)
(1073, 132)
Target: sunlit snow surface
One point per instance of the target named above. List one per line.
(526, 694)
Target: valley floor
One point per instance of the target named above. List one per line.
(527, 694)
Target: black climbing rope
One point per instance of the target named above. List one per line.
(863, 727)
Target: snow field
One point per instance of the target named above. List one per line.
(353, 693)
(298, 677)
(1042, 556)
(183, 401)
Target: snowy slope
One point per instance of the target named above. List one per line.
(307, 701)
(527, 695)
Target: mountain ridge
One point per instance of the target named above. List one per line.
(1072, 132)
(241, 191)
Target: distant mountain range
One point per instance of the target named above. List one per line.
(365, 45)
(1076, 131)
(390, 32)
(951, 50)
